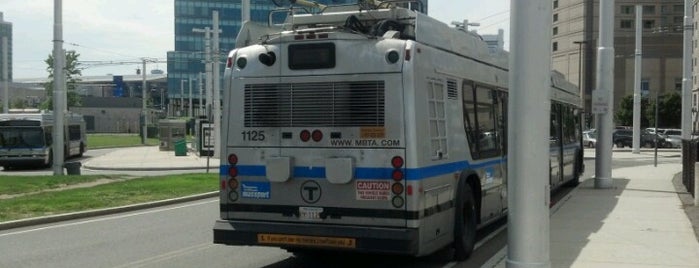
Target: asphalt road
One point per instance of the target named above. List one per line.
(180, 236)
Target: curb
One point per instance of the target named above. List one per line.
(101, 212)
(147, 168)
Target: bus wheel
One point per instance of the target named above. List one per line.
(465, 225)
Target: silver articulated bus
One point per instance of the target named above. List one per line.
(372, 130)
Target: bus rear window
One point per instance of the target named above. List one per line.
(312, 56)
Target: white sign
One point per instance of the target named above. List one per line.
(373, 189)
(600, 101)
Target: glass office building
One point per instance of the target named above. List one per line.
(186, 62)
(6, 31)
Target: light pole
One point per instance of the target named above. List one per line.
(181, 106)
(580, 73)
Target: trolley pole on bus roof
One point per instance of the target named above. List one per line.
(58, 88)
(528, 164)
(637, 84)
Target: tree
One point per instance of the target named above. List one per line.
(72, 72)
(624, 115)
(669, 111)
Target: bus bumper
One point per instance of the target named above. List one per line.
(403, 241)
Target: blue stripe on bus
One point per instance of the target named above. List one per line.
(370, 172)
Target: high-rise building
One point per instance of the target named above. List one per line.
(186, 62)
(575, 40)
(6, 31)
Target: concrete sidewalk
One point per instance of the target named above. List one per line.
(148, 158)
(638, 223)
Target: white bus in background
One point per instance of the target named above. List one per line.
(373, 130)
(26, 138)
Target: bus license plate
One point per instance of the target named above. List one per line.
(310, 213)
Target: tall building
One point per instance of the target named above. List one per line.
(6, 31)
(186, 62)
(575, 40)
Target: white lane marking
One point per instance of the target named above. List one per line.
(215, 200)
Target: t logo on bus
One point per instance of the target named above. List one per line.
(311, 192)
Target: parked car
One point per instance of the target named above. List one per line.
(624, 138)
(648, 140)
(673, 137)
(589, 139)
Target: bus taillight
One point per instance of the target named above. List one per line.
(305, 135)
(317, 135)
(223, 185)
(397, 175)
(233, 183)
(397, 188)
(397, 201)
(233, 159)
(229, 62)
(233, 172)
(397, 162)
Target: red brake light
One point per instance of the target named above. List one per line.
(233, 172)
(397, 162)
(397, 175)
(233, 159)
(305, 135)
(223, 185)
(317, 135)
(229, 62)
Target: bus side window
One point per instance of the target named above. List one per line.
(486, 120)
(469, 117)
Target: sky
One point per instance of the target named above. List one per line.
(128, 30)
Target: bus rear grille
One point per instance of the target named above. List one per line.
(330, 104)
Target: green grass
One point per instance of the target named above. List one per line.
(107, 195)
(27, 184)
(97, 141)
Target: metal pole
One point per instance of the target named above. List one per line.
(529, 113)
(144, 112)
(636, 142)
(201, 99)
(580, 86)
(5, 83)
(58, 88)
(189, 113)
(604, 96)
(245, 10)
(655, 137)
(181, 106)
(217, 89)
(687, 72)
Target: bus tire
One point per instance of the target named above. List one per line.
(465, 224)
